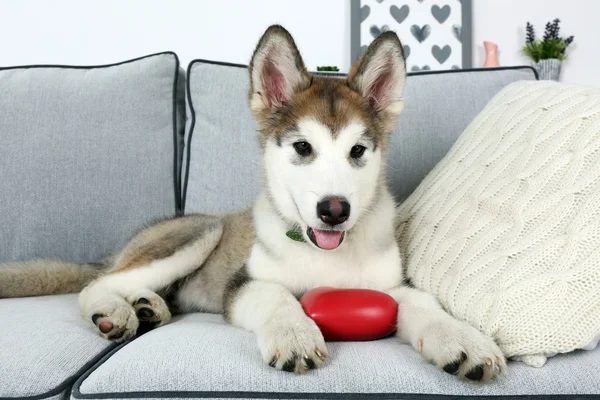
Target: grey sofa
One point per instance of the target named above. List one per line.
(90, 154)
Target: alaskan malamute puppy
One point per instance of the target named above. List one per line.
(323, 145)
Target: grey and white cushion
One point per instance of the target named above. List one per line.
(87, 155)
(222, 149)
(200, 356)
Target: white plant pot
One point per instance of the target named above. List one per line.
(548, 69)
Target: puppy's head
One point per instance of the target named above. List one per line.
(323, 139)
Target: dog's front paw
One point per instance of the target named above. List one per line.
(114, 319)
(460, 349)
(292, 345)
(151, 310)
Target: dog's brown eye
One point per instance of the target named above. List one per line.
(357, 151)
(303, 148)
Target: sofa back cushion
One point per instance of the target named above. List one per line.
(87, 155)
(222, 157)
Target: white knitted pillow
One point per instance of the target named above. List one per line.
(505, 230)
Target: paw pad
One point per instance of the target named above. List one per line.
(452, 368)
(141, 300)
(145, 312)
(105, 327)
(117, 335)
(96, 317)
(290, 365)
(310, 364)
(475, 374)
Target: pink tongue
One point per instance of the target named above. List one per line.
(327, 240)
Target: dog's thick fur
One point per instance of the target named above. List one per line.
(320, 137)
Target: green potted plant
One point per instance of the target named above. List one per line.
(549, 52)
(328, 69)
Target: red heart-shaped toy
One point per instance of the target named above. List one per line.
(351, 314)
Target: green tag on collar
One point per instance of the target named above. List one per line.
(295, 235)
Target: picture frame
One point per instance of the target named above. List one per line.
(436, 34)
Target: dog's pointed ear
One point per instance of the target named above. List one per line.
(276, 71)
(379, 75)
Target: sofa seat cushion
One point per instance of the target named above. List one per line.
(44, 346)
(200, 356)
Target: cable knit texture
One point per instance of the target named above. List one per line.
(505, 230)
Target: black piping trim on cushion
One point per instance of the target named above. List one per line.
(227, 64)
(181, 116)
(176, 175)
(76, 393)
(67, 383)
(188, 145)
(176, 161)
(450, 71)
(66, 66)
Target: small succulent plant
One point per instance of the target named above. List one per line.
(333, 69)
(552, 45)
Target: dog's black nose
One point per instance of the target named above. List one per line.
(333, 210)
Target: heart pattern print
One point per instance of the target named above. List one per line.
(430, 30)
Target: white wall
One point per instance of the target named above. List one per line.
(503, 22)
(103, 31)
